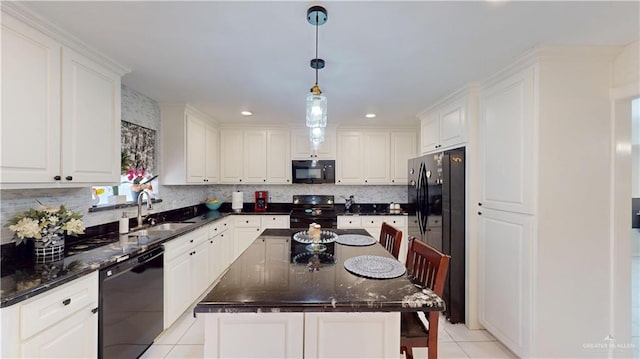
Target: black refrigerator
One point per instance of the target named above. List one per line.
(436, 189)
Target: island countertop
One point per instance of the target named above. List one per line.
(275, 275)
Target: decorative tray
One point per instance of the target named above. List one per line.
(374, 267)
(325, 237)
(355, 240)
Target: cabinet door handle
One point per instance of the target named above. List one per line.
(240, 179)
(365, 181)
(191, 241)
(66, 301)
(339, 181)
(211, 242)
(479, 213)
(94, 310)
(393, 181)
(57, 178)
(264, 180)
(479, 204)
(69, 178)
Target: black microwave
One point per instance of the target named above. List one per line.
(313, 171)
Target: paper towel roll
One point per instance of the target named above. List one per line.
(237, 200)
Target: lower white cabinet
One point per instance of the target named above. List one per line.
(248, 227)
(220, 247)
(272, 335)
(245, 230)
(73, 337)
(298, 335)
(62, 322)
(186, 272)
(505, 280)
(373, 225)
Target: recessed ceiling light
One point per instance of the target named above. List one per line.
(370, 115)
(246, 113)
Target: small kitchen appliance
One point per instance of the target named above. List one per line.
(261, 201)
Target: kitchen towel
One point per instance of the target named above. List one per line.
(237, 199)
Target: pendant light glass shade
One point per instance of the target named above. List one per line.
(316, 136)
(316, 110)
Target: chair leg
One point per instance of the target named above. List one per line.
(408, 352)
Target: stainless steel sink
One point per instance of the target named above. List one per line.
(170, 226)
(147, 232)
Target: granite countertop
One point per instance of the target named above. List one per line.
(266, 278)
(372, 209)
(22, 278)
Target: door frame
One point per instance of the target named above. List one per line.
(620, 193)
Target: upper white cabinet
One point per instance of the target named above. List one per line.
(301, 148)
(444, 125)
(255, 156)
(231, 155)
(506, 143)
(66, 105)
(363, 157)
(189, 146)
(403, 147)
(374, 157)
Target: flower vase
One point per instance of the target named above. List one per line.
(50, 248)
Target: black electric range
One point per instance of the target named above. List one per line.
(307, 209)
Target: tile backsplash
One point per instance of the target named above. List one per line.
(144, 111)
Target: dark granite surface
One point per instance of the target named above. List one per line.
(22, 278)
(266, 278)
(373, 209)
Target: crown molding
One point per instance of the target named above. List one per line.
(21, 12)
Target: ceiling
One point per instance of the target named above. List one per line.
(390, 58)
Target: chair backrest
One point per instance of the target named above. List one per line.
(390, 238)
(427, 266)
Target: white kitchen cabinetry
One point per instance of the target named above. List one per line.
(278, 157)
(248, 227)
(363, 157)
(403, 147)
(302, 335)
(220, 252)
(189, 146)
(445, 125)
(532, 181)
(274, 221)
(506, 143)
(301, 148)
(500, 233)
(255, 156)
(68, 104)
(61, 323)
(231, 155)
(186, 272)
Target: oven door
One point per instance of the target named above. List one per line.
(313, 172)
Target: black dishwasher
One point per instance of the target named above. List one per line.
(131, 305)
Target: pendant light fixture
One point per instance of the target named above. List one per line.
(316, 101)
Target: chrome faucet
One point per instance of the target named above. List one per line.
(149, 205)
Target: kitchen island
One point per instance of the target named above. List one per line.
(279, 300)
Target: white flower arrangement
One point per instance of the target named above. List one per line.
(40, 224)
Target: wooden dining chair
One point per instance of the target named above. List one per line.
(390, 238)
(426, 267)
